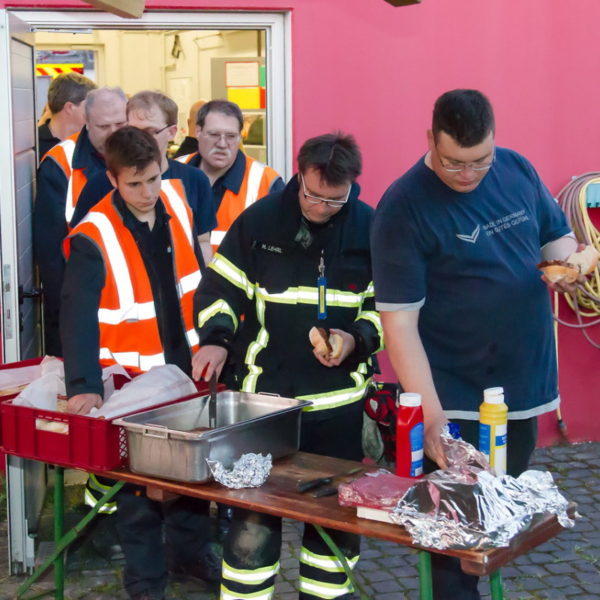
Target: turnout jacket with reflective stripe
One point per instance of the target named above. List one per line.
(255, 184)
(129, 332)
(266, 269)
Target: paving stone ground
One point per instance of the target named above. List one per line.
(567, 567)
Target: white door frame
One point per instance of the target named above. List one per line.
(9, 27)
(277, 54)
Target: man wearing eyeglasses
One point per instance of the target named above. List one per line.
(237, 179)
(296, 259)
(455, 245)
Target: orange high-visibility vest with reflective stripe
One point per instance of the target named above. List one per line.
(257, 181)
(62, 155)
(129, 333)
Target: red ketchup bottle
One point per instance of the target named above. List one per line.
(409, 436)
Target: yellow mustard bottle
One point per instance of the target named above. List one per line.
(493, 420)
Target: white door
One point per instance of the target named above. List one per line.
(26, 480)
(21, 304)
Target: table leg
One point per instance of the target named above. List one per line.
(496, 586)
(65, 540)
(59, 512)
(425, 580)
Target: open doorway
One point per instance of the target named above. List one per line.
(187, 65)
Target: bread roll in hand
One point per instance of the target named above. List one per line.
(578, 263)
(328, 346)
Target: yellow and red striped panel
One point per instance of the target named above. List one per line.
(54, 69)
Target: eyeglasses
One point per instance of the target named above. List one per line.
(317, 199)
(155, 132)
(455, 166)
(228, 137)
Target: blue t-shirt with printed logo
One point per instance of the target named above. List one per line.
(468, 261)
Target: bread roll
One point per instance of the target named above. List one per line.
(578, 263)
(559, 270)
(319, 339)
(586, 260)
(336, 341)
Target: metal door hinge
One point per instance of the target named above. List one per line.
(7, 303)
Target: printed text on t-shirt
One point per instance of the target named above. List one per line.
(506, 222)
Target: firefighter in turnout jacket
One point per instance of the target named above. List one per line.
(132, 270)
(296, 259)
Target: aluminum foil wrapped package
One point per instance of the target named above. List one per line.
(250, 470)
(467, 506)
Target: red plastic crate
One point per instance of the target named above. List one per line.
(89, 443)
(23, 363)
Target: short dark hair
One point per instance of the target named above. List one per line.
(465, 115)
(130, 147)
(336, 156)
(231, 109)
(68, 87)
(146, 100)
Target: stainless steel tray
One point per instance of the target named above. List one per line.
(173, 442)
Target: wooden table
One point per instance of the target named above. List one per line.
(278, 496)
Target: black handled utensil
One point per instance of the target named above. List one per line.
(311, 484)
(212, 401)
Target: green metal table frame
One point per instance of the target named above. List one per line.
(424, 569)
(62, 541)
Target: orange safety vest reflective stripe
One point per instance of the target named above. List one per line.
(186, 158)
(257, 181)
(129, 333)
(62, 154)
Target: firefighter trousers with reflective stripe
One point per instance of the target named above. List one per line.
(95, 488)
(251, 560)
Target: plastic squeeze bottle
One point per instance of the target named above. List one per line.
(409, 436)
(493, 419)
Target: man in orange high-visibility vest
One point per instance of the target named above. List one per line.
(62, 175)
(237, 180)
(133, 265)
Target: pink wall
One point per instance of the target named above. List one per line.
(375, 70)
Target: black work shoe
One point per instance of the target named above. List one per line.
(207, 569)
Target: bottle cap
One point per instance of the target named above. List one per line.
(410, 399)
(493, 395)
(454, 431)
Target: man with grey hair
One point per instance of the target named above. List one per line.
(66, 103)
(62, 175)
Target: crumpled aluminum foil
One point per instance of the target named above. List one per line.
(250, 470)
(467, 506)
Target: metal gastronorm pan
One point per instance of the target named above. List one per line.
(173, 442)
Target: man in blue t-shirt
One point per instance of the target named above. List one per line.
(455, 244)
(157, 114)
